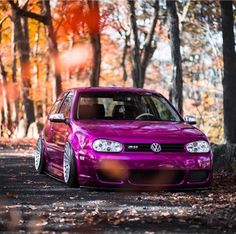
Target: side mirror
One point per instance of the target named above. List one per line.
(190, 119)
(57, 118)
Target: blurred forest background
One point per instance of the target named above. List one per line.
(183, 49)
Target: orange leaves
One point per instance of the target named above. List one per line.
(11, 89)
(72, 16)
(8, 92)
(93, 17)
(79, 17)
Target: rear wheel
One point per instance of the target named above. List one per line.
(39, 158)
(69, 167)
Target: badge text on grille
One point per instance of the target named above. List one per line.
(133, 147)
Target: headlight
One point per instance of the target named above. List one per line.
(198, 147)
(107, 146)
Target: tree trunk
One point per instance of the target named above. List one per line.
(149, 47)
(177, 90)
(22, 42)
(229, 79)
(2, 123)
(96, 46)
(94, 33)
(6, 103)
(14, 70)
(53, 48)
(136, 58)
(46, 89)
(124, 55)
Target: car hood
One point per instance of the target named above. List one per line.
(141, 131)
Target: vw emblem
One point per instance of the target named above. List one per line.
(155, 147)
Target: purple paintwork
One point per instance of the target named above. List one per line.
(81, 135)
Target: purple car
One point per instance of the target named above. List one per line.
(122, 137)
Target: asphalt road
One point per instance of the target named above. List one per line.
(32, 202)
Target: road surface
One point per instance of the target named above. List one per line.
(32, 202)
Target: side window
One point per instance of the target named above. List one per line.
(57, 104)
(66, 106)
(55, 107)
(164, 110)
(144, 106)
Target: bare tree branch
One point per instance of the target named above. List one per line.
(22, 12)
(148, 50)
(141, 56)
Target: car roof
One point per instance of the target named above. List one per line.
(110, 89)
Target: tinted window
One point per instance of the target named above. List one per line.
(165, 111)
(66, 106)
(125, 106)
(55, 107)
(57, 104)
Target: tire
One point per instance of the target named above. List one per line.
(39, 158)
(69, 167)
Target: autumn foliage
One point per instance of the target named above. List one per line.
(92, 43)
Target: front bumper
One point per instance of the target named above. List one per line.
(139, 169)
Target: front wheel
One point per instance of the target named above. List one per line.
(69, 167)
(39, 159)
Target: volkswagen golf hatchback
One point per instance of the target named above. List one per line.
(122, 137)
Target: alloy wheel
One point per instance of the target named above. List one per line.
(37, 155)
(66, 163)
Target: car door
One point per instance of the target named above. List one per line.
(48, 130)
(61, 131)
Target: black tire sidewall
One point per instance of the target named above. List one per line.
(73, 177)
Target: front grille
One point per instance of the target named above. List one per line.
(198, 175)
(132, 147)
(156, 177)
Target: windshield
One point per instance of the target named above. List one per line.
(124, 106)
